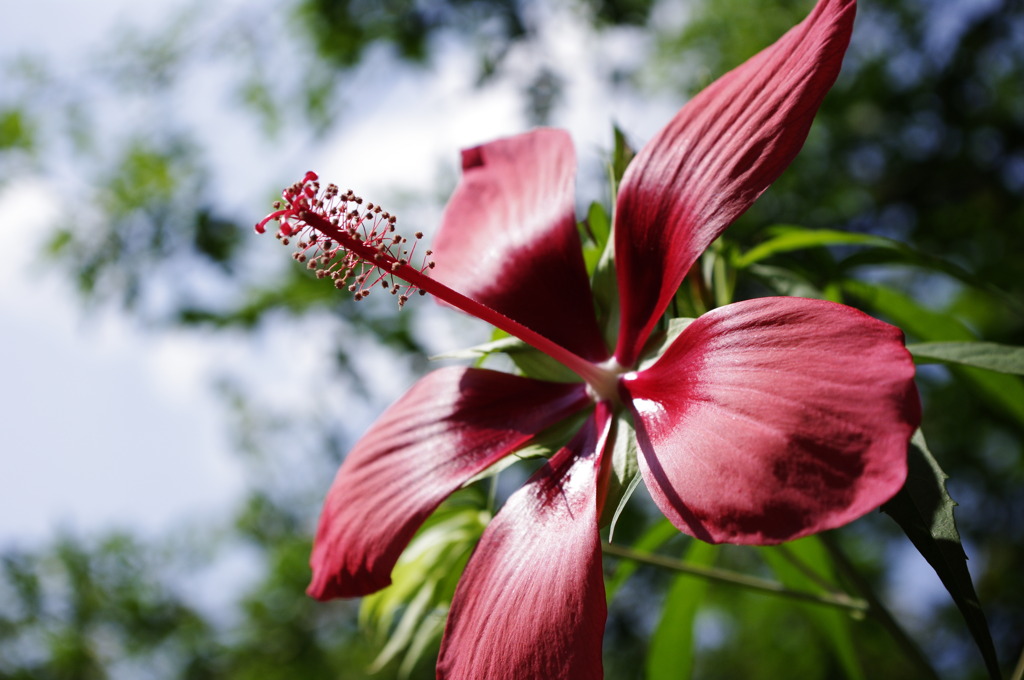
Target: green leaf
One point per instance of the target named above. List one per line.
(988, 355)
(804, 565)
(900, 254)
(786, 282)
(621, 157)
(600, 224)
(409, 613)
(671, 652)
(787, 238)
(876, 250)
(924, 510)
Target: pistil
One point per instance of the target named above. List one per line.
(343, 247)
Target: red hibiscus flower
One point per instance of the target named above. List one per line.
(763, 421)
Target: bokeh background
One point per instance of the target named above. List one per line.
(175, 396)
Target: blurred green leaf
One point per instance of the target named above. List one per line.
(672, 645)
(804, 565)
(16, 130)
(787, 238)
(988, 355)
(661, 532)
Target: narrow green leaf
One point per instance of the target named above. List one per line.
(594, 232)
(987, 355)
(670, 656)
(506, 344)
(787, 238)
(600, 224)
(406, 614)
(548, 441)
(924, 510)
(401, 637)
(621, 156)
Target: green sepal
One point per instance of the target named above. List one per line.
(531, 362)
(924, 510)
(660, 342)
(625, 472)
(543, 445)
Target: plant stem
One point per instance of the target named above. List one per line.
(838, 600)
(877, 610)
(805, 569)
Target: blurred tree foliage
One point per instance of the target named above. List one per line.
(922, 140)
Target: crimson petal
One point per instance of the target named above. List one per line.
(713, 160)
(775, 418)
(448, 427)
(531, 602)
(508, 238)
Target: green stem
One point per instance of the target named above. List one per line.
(838, 600)
(806, 569)
(877, 610)
(723, 291)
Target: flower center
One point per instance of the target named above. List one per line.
(603, 384)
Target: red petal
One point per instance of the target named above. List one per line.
(710, 163)
(448, 427)
(531, 602)
(775, 418)
(508, 238)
